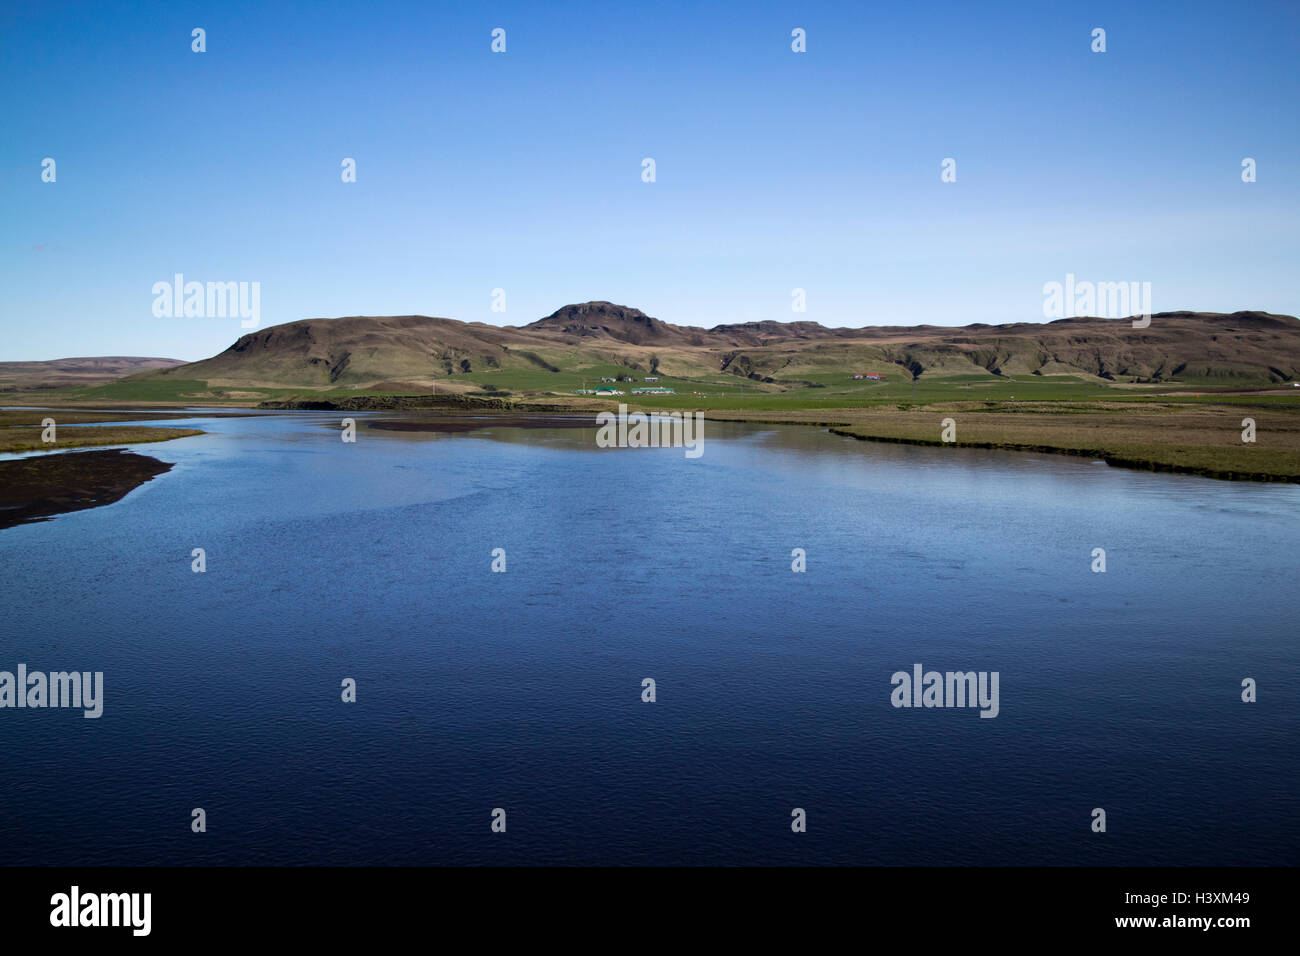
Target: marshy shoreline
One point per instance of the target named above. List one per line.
(1204, 440)
(1115, 461)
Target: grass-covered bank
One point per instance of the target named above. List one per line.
(23, 429)
(15, 440)
(1197, 439)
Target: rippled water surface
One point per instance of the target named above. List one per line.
(522, 690)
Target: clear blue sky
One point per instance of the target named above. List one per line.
(522, 170)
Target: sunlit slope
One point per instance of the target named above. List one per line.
(598, 339)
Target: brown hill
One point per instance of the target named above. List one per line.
(60, 373)
(353, 350)
(414, 352)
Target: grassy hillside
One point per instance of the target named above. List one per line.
(769, 362)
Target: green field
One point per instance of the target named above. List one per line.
(535, 385)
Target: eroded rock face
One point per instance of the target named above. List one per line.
(42, 486)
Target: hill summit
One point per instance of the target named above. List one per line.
(607, 320)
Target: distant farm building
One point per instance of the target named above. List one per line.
(652, 378)
(857, 376)
(608, 391)
(654, 390)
